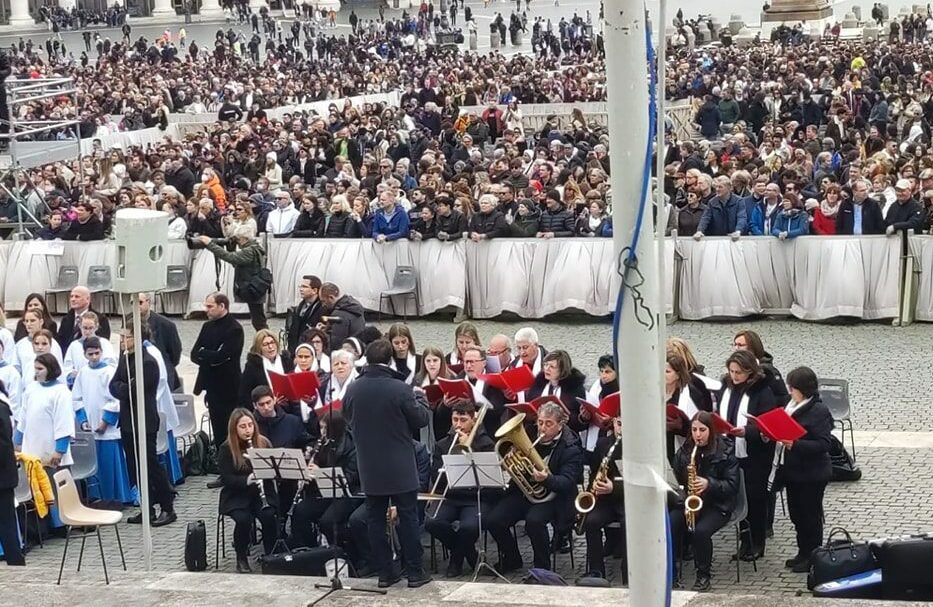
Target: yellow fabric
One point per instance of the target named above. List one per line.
(39, 483)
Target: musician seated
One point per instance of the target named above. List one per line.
(243, 497)
(560, 448)
(558, 377)
(608, 508)
(459, 504)
(335, 449)
(716, 483)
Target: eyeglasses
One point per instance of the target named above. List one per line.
(472, 361)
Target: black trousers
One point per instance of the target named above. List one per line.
(243, 525)
(9, 538)
(326, 513)
(603, 513)
(805, 506)
(708, 522)
(408, 529)
(756, 491)
(160, 490)
(513, 508)
(257, 315)
(461, 541)
(220, 406)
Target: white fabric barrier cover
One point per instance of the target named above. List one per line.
(364, 269)
(5, 247)
(922, 248)
(276, 113)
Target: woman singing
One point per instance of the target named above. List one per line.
(240, 497)
(404, 359)
(803, 467)
(680, 392)
(558, 377)
(716, 483)
(343, 372)
(434, 367)
(465, 336)
(263, 357)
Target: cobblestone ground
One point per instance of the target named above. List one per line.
(886, 368)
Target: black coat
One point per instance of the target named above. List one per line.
(164, 336)
(603, 444)
(872, 219)
(123, 388)
(380, 409)
(342, 455)
(566, 466)
(352, 321)
(454, 225)
(559, 222)
(774, 379)
(808, 461)
(237, 493)
(907, 216)
(8, 476)
(90, 230)
(339, 225)
(254, 375)
(300, 319)
(492, 225)
(482, 442)
(571, 388)
(68, 330)
(720, 468)
(760, 400)
(284, 430)
(217, 353)
(309, 225)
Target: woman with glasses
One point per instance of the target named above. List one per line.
(242, 215)
(266, 356)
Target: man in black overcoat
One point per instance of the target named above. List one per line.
(79, 302)
(164, 336)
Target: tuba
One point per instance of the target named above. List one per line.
(693, 503)
(519, 459)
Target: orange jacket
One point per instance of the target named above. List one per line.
(217, 193)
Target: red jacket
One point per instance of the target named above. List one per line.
(823, 225)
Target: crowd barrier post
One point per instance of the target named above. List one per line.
(908, 282)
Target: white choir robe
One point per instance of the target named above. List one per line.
(75, 360)
(46, 415)
(411, 361)
(26, 357)
(9, 345)
(13, 384)
(685, 403)
(166, 405)
(320, 365)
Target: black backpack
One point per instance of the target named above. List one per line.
(196, 546)
(201, 457)
(844, 467)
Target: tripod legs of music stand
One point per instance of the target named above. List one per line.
(336, 585)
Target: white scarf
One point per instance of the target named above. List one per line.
(779, 448)
(478, 388)
(272, 365)
(336, 391)
(741, 446)
(685, 403)
(410, 363)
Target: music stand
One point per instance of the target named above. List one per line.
(276, 465)
(476, 471)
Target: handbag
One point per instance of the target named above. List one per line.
(839, 558)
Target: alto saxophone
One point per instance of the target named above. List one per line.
(693, 503)
(586, 500)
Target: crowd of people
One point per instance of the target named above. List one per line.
(387, 412)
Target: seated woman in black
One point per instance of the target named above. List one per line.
(716, 483)
(240, 498)
(334, 449)
(803, 466)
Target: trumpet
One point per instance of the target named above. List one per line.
(519, 459)
(259, 483)
(586, 500)
(693, 503)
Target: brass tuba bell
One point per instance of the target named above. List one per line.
(519, 459)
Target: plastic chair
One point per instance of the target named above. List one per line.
(739, 515)
(74, 514)
(162, 436)
(100, 280)
(176, 280)
(67, 280)
(835, 395)
(187, 420)
(23, 496)
(206, 421)
(405, 282)
(84, 454)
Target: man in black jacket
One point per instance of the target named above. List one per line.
(907, 213)
(343, 316)
(560, 448)
(307, 314)
(9, 538)
(380, 410)
(460, 504)
(451, 224)
(164, 336)
(556, 221)
(217, 353)
(69, 329)
(861, 215)
(123, 388)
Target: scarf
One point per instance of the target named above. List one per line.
(779, 448)
(827, 210)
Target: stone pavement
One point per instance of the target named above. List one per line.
(887, 370)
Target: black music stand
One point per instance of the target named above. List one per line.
(278, 464)
(477, 471)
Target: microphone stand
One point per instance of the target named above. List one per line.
(335, 584)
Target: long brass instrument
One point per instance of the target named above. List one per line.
(519, 459)
(693, 503)
(466, 444)
(259, 483)
(586, 500)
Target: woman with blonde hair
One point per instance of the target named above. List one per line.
(265, 356)
(703, 386)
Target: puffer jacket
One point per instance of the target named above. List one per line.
(559, 222)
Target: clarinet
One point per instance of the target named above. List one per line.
(309, 454)
(261, 484)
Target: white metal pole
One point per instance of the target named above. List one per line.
(142, 481)
(660, 154)
(642, 414)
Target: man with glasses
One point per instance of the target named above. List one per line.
(307, 314)
(474, 364)
(281, 220)
(529, 353)
(861, 214)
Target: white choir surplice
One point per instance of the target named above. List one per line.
(46, 415)
(13, 383)
(26, 357)
(164, 397)
(74, 356)
(91, 392)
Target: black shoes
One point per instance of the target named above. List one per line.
(593, 579)
(136, 519)
(165, 518)
(702, 583)
(420, 580)
(215, 484)
(454, 570)
(790, 563)
(242, 565)
(389, 580)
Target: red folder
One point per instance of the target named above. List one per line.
(673, 413)
(609, 407)
(777, 425)
(531, 408)
(536, 403)
(322, 412)
(295, 386)
(514, 380)
(455, 368)
(721, 426)
(434, 394)
(455, 388)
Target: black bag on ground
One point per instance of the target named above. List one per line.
(844, 467)
(302, 561)
(196, 546)
(839, 557)
(201, 457)
(906, 566)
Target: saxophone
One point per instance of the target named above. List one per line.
(586, 500)
(693, 503)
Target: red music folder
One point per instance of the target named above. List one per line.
(610, 406)
(295, 386)
(322, 412)
(514, 380)
(530, 411)
(434, 394)
(531, 408)
(455, 368)
(721, 426)
(455, 388)
(777, 425)
(673, 412)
